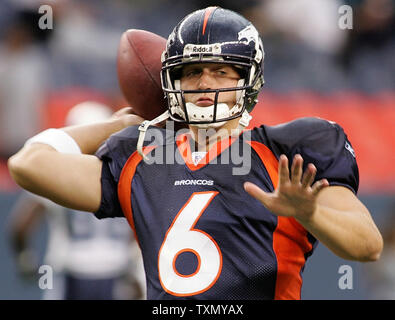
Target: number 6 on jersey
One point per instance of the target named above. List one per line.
(182, 237)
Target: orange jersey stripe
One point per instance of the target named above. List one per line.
(290, 241)
(183, 145)
(125, 185)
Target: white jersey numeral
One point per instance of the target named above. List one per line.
(182, 237)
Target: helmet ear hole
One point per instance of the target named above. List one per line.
(242, 72)
(176, 73)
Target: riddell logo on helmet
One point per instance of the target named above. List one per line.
(205, 48)
(202, 49)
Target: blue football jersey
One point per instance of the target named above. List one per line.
(201, 235)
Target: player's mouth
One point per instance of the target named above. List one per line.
(204, 102)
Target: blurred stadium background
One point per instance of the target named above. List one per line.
(312, 68)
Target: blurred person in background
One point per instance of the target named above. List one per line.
(304, 38)
(311, 52)
(83, 49)
(91, 259)
(368, 56)
(23, 78)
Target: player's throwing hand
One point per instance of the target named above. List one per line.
(128, 116)
(295, 196)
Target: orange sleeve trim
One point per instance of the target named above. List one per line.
(290, 243)
(125, 185)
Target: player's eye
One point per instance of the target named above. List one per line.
(221, 72)
(191, 73)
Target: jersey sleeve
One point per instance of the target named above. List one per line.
(320, 142)
(114, 153)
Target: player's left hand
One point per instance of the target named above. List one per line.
(295, 195)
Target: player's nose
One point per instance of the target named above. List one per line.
(206, 80)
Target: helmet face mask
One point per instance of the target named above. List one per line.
(212, 35)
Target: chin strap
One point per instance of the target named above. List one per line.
(243, 123)
(143, 129)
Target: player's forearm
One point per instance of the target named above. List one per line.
(90, 137)
(351, 235)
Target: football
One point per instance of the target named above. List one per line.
(138, 68)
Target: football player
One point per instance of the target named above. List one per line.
(207, 231)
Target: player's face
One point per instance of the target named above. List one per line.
(203, 76)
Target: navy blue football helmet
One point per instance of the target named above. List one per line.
(213, 35)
